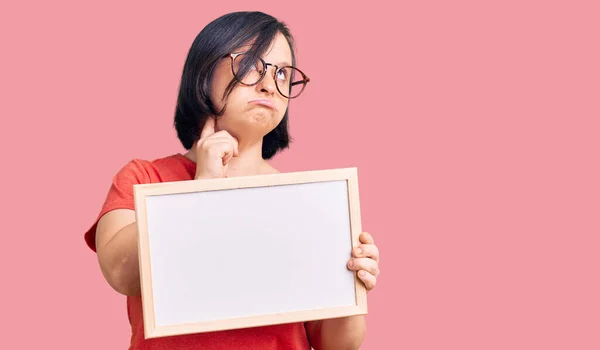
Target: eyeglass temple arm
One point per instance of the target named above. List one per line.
(301, 81)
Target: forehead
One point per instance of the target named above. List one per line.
(278, 53)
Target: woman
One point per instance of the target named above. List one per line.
(231, 117)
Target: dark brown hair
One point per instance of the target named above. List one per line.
(216, 40)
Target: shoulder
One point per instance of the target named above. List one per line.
(136, 166)
(138, 170)
(135, 171)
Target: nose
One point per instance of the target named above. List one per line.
(267, 84)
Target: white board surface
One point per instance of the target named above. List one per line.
(241, 253)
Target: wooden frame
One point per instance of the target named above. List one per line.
(144, 192)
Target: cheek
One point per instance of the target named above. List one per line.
(237, 98)
(216, 94)
(282, 108)
(236, 106)
(220, 81)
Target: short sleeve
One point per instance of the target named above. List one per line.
(120, 194)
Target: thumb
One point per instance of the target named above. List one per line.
(366, 238)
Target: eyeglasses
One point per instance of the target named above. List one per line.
(290, 81)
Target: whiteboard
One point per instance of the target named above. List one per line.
(248, 251)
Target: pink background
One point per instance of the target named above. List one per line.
(475, 128)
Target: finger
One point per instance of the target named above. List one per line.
(369, 265)
(236, 148)
(225, 144)
(368, 279)
(223, 134)
(367, 251)
(225, 150)
(227, 157)
(218, 148)
(366, 238)
(208, 129)
(235, 144)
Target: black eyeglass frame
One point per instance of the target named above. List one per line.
(305, 79)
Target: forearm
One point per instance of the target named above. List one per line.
(119, 261)
(338, 333)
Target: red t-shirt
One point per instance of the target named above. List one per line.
(120, 196)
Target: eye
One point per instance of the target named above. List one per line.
(254, 68)
(282, 75)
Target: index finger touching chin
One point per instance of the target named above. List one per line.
(208, 128)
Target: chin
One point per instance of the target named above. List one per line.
(254, 126)
(261, 118)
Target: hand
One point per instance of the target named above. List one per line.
(214, 150)
(365, 260)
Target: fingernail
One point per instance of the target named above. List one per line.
(361, 273)
(351, 263)
(358, 251)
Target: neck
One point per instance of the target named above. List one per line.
(249, 161)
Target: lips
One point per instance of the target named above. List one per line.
(263, 102)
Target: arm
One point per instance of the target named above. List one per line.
(116, 245)
(116, 232)
(337, 333)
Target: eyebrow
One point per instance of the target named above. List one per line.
(281, 64)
